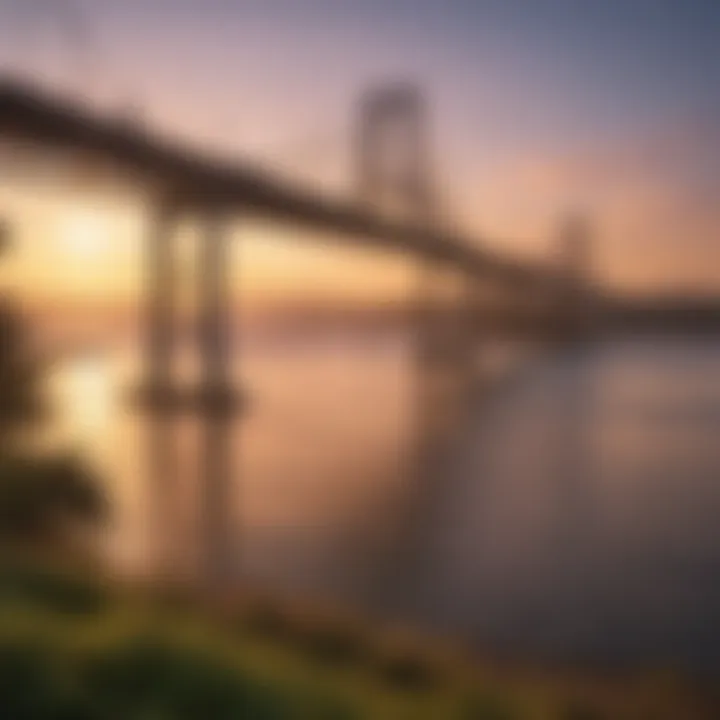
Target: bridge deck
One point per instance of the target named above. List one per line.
(34, 116)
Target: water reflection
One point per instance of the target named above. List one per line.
(574, 517)
(84, 389)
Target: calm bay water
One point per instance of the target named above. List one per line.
(576, 516)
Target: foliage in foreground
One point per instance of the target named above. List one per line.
(46, 500)
(74, 649)
(21, 375)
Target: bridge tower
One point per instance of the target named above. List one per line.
(394, 170)
(393, 161)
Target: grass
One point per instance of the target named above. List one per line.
(76, 649)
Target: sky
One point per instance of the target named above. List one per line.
(537, 107)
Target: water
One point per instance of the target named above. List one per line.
(576, 517)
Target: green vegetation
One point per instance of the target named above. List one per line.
(20, 378)
(46, 501)
(72, 647)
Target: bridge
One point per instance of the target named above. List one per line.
(553, 301)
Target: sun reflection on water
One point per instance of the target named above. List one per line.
(84, 390)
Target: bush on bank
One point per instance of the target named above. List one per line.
(75, 649)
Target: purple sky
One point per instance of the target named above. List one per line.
(537, 104)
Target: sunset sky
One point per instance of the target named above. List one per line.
(538, 106)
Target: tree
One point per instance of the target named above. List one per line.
(47, 502)
(44, 499)
(21, 400)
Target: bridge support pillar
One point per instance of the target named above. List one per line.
(445, 362)
(468, 371)
(575, 292)
(216, 402)
(158, 392)
(429, 406)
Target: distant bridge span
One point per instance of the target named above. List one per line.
(545, 299)
(37, 117)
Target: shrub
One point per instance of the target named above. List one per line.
(580, 711)
(488, 707)
(266, 620)
(46, 501)
(408, 671)
(334, 642)
(151, 673)
(55, 590)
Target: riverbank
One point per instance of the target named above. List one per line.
(75, 647)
